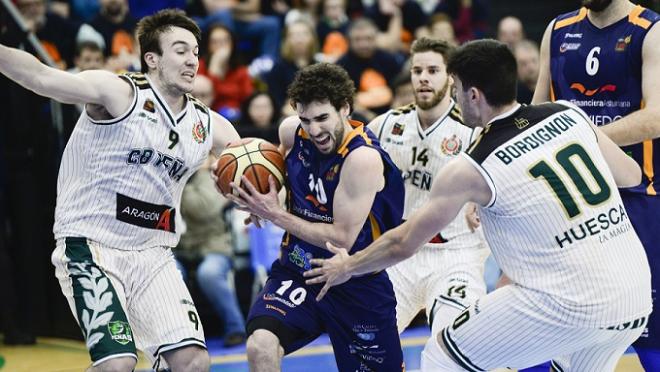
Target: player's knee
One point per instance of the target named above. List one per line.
(436, 359)
(124, 364)
(262, 343)
(193, 359)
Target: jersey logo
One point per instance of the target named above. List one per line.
(143, 214)
(397, 129)
(623, 43)
(521, 123)
(452, 145)
(149, 106)
(564, 47)
(590, 92)
(199, 132)
(330, 175)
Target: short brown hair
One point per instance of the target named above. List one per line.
(425, 44)
(320, 83)
(151, 27)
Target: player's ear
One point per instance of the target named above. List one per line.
(345, 110)
(151, 58)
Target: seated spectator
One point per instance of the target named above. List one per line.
(399, 21)
(259, 118)
(332, 30)
(57, 35)
(231, 81)
(304, 10)
(510, 31)
(246, 21)
(298, 50)
(208, 241)
(117, 26)
(470, 17)
(528, 59)
(369, 67)
(443, 29)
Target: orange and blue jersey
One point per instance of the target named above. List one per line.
(600, 71)
(312, 179)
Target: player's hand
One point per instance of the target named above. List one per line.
(333, 271)
(472, 217)
(249, 199)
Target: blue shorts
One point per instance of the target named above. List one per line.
(359, 317)
(644, 213)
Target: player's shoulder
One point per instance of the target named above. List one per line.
(198, 105)
(137, 78)
(570, 18)
(403, 110)
(503, 130)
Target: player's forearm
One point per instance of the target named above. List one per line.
(316, 233)
(637, 127)
(384, 252)
(21, 67)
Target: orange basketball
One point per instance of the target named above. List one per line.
(254, 158)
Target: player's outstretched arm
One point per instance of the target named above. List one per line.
(463, 184)
(223, 132)
(287, 133)
(642, 124)
(95, 86)
(542, 91)
(625, 169)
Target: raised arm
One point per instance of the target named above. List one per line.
(95, 86)
(223, 133)
(287, 133)
(642, 124)
(542, 91)
(462, 184)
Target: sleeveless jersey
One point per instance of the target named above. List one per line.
(120, 181)
(600, 71)
(313, 177)
(421, 154)
(556, 223)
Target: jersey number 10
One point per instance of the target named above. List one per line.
(565, 158)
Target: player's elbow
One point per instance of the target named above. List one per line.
(630, 176)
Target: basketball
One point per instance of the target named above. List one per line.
(254, 158)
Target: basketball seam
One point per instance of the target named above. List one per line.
(253, 168)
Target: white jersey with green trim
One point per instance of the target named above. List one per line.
(556, 223)
(421, 154)
(120, 181)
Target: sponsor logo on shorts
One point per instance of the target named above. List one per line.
(276, 309)
(120, 332)
(274, 297)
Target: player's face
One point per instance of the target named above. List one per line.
(469, 111)
(596, 5)
(429, 78)
(324, 124)
(177, 66)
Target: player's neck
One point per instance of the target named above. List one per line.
(173, 98)
(430, 116)
(615, 12)
(491, 113)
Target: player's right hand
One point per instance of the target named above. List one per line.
(333, 271)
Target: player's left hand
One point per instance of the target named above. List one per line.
(472, 217)
(333, 271)
(249, 199)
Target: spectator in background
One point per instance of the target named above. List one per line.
(142, 8)
(203, 90)
(117, 25)
(57, 35)
(299, 47)
(259, 118)
(246, 21)
(208, 241)
(399, 21)
(442, 29)
(527, 58)
(231, 81)
(369, 67)
(510, 31)
(332, 29)
(404, 92)
(306, 10)
(470, 17)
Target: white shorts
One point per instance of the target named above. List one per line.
(442, 281)
(506, 330)
(125, 300)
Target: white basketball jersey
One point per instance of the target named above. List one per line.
(556, 223)
(421, 154)
(120, 180)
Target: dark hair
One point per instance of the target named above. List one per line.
(234, 62)
(320, 83)
(245, 106)
(87, 45)
(489, 66)
(151, 27)
(426, 44)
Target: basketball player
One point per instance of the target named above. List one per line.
(342, 187)
(545, 180)
(138, 140)
(446, 275)
(605, 59)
